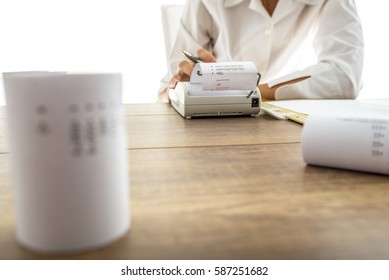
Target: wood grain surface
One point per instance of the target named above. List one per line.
(233, 200)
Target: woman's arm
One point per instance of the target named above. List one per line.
(339, 46)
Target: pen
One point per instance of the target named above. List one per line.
(192, 57)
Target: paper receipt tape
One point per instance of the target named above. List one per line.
(69, 160)
(218, 89)
(355, 142)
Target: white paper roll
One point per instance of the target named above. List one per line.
(69, 160)
(351, 142)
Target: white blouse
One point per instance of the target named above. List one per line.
(242, 30)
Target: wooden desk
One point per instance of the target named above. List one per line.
(230, 188)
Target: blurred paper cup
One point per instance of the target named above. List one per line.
(68, 160)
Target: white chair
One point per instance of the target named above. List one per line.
(171, 15)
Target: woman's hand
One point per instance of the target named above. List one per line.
(183, 73)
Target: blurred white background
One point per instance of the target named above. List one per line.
(121, 36)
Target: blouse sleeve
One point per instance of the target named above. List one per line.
(338, 44)
(193, 33)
